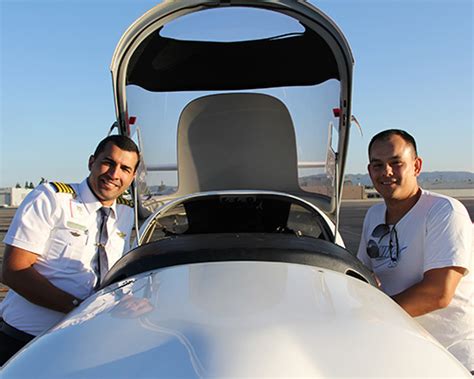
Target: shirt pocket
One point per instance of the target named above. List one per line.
(67, 249)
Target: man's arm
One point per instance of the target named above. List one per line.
(435, 291)
(18, 274)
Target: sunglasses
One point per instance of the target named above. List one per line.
(380, 232)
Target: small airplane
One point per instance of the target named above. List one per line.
(242, 111)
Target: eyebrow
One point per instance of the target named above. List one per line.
(121, 165)
(389, 159)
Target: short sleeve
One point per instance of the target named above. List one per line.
(448, 239)
(33, 221)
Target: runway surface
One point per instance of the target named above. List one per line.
(352, 218)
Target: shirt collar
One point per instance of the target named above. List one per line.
(90, 201)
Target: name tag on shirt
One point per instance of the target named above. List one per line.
(77, 227)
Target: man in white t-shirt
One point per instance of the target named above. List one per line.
(62, 241)
(419, 245)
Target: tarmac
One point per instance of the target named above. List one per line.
(351, 219)
(6, 215)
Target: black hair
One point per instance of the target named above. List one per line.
(122, 142)
(386, 134)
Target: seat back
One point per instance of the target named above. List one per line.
(236, 141)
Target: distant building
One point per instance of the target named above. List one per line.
(12, 197)
(349, 191)
(353, 192)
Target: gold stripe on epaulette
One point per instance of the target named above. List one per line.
(123, 201)
(63, 187)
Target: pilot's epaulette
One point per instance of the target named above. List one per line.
(123, 201)
(63, 187)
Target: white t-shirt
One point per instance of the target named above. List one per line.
(435, 233)
(63, 230)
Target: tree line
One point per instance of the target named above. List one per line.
(30, 184)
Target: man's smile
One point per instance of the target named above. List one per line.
(109, 184)
(388, 182)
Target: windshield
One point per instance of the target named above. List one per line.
(156, 112)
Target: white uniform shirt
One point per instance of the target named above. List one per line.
(63, 230)
(435, 233)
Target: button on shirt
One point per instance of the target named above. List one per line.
(63, 230)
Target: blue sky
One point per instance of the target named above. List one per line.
(414, 70)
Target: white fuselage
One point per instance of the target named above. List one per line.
(236, 319)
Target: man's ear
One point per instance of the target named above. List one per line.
(91, 162)
(418, 164)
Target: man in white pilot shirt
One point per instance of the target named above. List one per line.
(51, 248)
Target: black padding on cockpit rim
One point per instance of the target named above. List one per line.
(271, 247)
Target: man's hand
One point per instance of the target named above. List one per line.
(435, 291)
(18, 274)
